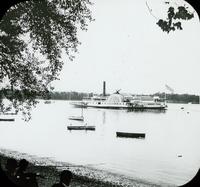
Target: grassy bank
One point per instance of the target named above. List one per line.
(82, 176)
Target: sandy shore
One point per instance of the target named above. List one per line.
(82, 176)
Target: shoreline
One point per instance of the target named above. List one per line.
(83, 176)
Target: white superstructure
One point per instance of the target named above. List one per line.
(122, 101)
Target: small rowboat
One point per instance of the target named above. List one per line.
(7, 119)
(78, 118)
(9, 113)
(130, 135)
(80, 127)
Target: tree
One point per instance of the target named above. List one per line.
(176, 13)
(174, 17)
(33, 35)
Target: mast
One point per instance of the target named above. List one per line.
(82, 111)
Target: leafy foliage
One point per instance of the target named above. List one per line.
(172, 21)
(33, 35)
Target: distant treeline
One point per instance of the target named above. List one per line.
(171, 98)
(179, 98)
(69, 95)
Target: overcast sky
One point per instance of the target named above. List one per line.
(125, 48)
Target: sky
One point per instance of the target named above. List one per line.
(125, 48)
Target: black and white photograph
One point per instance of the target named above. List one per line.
(100, 93)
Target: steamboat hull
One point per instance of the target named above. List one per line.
(120, 107)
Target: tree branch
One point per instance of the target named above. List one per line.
(150, 11)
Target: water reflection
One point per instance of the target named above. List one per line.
(104, 117)
(147, 111)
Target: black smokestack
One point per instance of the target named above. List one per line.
(104, 88)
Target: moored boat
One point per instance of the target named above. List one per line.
(79, 118)
(80, 127)
(130, 135)
(7, 119)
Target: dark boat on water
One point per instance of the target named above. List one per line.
(130, 135)
(7, 119)
(80, 127)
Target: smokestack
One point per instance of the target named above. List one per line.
(104, 88)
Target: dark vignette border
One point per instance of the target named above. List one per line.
(6, 4)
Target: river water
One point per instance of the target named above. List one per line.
(169, 153)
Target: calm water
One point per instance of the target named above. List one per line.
(155, 158)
